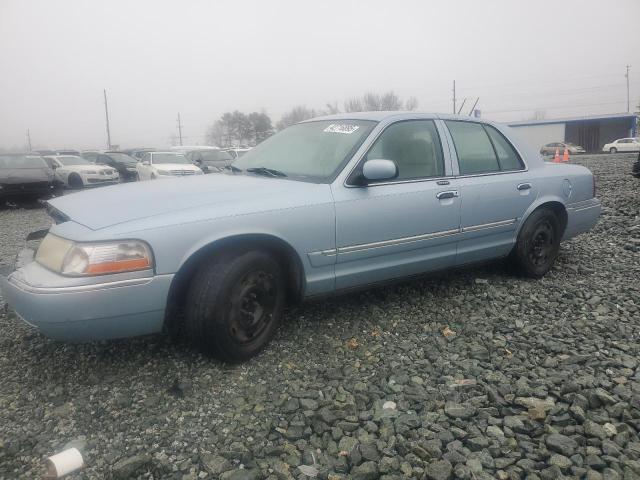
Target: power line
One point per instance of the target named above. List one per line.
(570, 105)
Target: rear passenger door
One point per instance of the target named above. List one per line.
(496, 190)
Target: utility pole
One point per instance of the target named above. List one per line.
(179, 129)
(627, 75)
(454, 97)
(106, 112)
(474, 106)
(29, 139)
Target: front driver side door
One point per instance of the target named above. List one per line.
(392, 229)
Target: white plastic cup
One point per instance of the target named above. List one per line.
(65, 462)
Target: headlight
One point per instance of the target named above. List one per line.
(85, 259)
(164, 172)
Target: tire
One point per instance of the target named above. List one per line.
(75, 181)
(214, 320)
(538, 244)
(613, 150)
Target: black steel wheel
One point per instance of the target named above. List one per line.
(613, 150)
(538, 243)
(234, 304)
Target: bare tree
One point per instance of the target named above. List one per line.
(411, 104)
(372, 102)
(295, 115)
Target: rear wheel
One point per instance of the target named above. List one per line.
(538, 243)
(613, 150)
(234, 304)
(75, 181)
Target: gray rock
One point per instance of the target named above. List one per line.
(438, 470)
(215, 464)
(130, 467)
(457, 410)
(365, 471)
(561, 444)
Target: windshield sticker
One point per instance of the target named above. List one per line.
(341, 128)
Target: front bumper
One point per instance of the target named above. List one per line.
(39, 189)
(116, 307)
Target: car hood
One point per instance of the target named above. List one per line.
(208, 196)
(11, 176)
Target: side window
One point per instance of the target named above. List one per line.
(415, 147)
(102, 160)
(507, 156)
(474, 149)
(146, 157)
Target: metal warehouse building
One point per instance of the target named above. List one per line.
(590, 132)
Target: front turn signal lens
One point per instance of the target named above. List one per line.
(100, 259)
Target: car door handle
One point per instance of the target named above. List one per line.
(447, 194)
(524, 186)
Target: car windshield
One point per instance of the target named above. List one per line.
(121, 158)
(309, 151)
(70, 161)
(169, 158)
(22, 161)
(213, 156)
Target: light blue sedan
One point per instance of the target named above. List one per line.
(325, 206)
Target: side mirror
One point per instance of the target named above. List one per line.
(379, 169)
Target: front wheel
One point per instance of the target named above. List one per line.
(234, 304)
(538, 243)
(75, 181)
(613, 150)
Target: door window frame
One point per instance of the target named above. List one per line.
(349, 180)
(456, 161)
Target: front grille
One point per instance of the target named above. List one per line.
(182, 173)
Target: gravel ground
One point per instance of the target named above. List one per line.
(532, 379)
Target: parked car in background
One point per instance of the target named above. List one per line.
(90, 155)
(237, 152)
(76, 172)
(165, 165)
(23, 175)
(123, 163)
(68, 152)
(550, 148)
(631, 144)
(326, 205)
(210, 160)
(43, 152)
(190, 148)
(137, 153)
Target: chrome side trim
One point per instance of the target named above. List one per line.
(77, 288)
(397, 241)
(415, 238)
(325, 253)
(483, 226)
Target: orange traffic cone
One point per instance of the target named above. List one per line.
(565, 155)
(556, 158)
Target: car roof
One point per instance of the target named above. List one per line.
(396, 115)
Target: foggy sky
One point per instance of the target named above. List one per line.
(203, 58)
